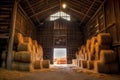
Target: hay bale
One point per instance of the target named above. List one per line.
(90, 64)
(26, 67)
(24, 47)
(23, 56)
(91, 57)
(4, 64)
(107, 56)
(18, 38)
(114, 68)
(83, 63)
(101, 67)
(15, 66)
(38, 64)
(28, 40)
(34, 49)
(5, 54)
(35, 43)
(88, 44)
(86, 56)
(98, 48)
(79, 62)
(74, 62)
(46, 63)
(92, 47)
(104, 38)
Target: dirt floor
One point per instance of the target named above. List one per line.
(57, 73)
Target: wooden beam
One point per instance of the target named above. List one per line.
(32, 10)
(97, 11)
(12, 33)
(78, 12)
(87, 12)
(44, 10)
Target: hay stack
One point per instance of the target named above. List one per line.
(18, 38)
(38, 64)
(26, 67)
(104, 38)
(22, 66)
(107, 56)
(79, 62)
(83, 63)
(35, 43)
(23, 56)
(28, 40)
(92, 47)
(46, 63)
(24, 47)
(101, 67)
(91, 57)
(88, 44)
(90, 64)
(98, 48)
(5, 53)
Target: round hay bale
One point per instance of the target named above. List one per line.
(26, 67)
(28, 40)
(38, 64)
(33, 49)
(74, 62)
(104, 38)
(107, 56)
(18, 38)
(98, 48)
(90, 64)
(4, 64)
(83, 63)
(15, 66)
(114, 68)
(88, 44)
(101, 67)
(5, 54)
(24, 47)
(23, 56)
(86, 56)
(46, 63)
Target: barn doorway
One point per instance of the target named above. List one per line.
(60, 56)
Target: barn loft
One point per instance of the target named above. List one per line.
(59, 39)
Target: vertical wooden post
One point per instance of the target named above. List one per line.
(12, 32)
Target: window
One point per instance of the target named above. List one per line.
(58, 15)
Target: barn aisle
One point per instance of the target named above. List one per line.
(56, 73)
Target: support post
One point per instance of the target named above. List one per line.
(12, 33)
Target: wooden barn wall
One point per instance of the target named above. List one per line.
(59, 34)
(107, 20)
(24, 25)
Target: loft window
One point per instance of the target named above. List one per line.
(58, 15)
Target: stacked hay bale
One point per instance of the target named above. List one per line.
(4, 57)
(46, 64)
(107, 62)
(24, 57)
(97, 54)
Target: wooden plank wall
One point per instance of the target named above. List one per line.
(69, 33)
(24, 25)
(107, 20)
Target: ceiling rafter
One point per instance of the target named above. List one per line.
(32, 10)
(44, 10)
(87, 12)
(78, 11)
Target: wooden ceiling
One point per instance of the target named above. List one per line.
(81, 10)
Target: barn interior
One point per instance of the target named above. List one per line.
(76, 38)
